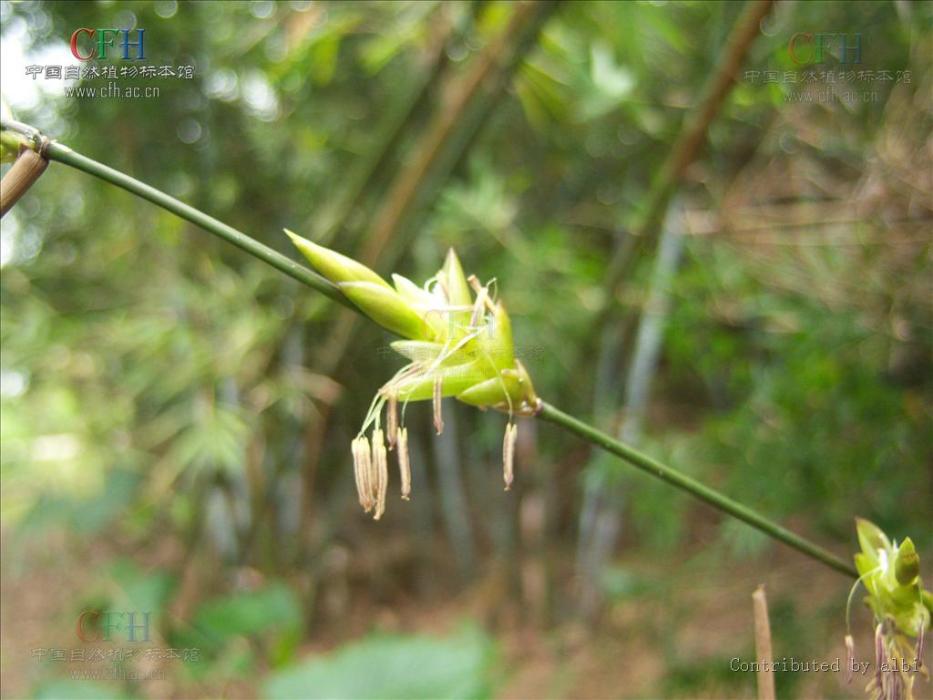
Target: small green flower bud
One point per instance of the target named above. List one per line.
(386, 307)
(497, 341)
(454, 281)
(870, 537)
(423, 302)
(411, 292)
(334, 266)
(907, 563)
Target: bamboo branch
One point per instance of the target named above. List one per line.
(686, 483)
(601, 518)
(63, 154)
(645, 233)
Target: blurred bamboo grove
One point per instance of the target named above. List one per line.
(710, 244)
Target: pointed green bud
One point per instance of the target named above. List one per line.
(422, 301)
(871, 538)
(458, 291)
(411, 292)
(334, 266)
(865, 564)
(907, 563)
(496, 341)
(455, 285)
(387, 308)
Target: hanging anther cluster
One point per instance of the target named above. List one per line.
(458, 340)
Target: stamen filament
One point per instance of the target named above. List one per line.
(392, 419)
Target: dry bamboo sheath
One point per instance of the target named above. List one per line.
(26, 170)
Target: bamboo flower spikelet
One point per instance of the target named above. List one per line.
(901, 606)
(458, 340)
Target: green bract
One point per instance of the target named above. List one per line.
(458, 343)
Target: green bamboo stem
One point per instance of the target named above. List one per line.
(63, 154)
(694, 487)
